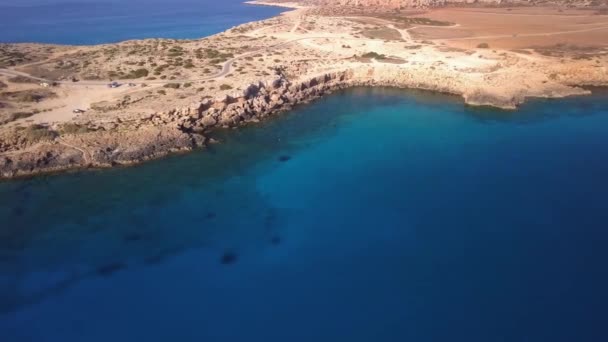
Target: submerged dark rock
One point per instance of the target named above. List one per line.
(109, 269)
(228, 258)
(132, 237)
(156, 258)
(284, 158)
(269, 223)
(275, 240)
(160, 256)
(19, 211)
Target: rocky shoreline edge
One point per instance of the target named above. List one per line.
(185, 129)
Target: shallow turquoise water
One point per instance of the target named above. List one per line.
(370, 215)
(108, 21)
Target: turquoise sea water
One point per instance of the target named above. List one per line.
(108, 21)
(370, 215)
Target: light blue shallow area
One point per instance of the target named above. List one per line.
(109, 21)
(369, 215)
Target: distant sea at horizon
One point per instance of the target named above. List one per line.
(110, 21)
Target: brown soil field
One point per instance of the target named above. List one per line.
(515, 28)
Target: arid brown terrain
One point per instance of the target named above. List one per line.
(406, 4)
(59, 109)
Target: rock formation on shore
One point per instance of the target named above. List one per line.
(181, 129)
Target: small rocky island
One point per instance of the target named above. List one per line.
(70, 107)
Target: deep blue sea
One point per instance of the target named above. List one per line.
(369, 215)
(109, 21)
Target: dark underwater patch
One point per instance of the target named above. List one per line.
(159, 256)
(284, 158)
(275, 240)
(18, 211)
(132, 237)
(228, 258)
(109, 269)
(270, 219)
(155, 259)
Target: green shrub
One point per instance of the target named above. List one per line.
(29, 97)
(22, 79)
(15, 116)
(175, 51)
(35, 133)
(138, 73)
(172, 85)
(72, 128)
(374, 55)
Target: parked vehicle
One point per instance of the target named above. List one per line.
(78, 111)
(114, 85)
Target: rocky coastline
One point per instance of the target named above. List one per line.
(184, 129)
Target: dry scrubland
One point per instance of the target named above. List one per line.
(173, 91)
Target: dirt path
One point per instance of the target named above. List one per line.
(85, 154)
(405, 35)
(296, 25)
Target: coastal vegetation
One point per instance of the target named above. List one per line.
(425, 21)
(382, 33)
(373, 55)
(138, 73)
(10, 58)
(172, 85)
(15, 116)
(20, 79)
(34, 95)
(36, 133)
(73, 128)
